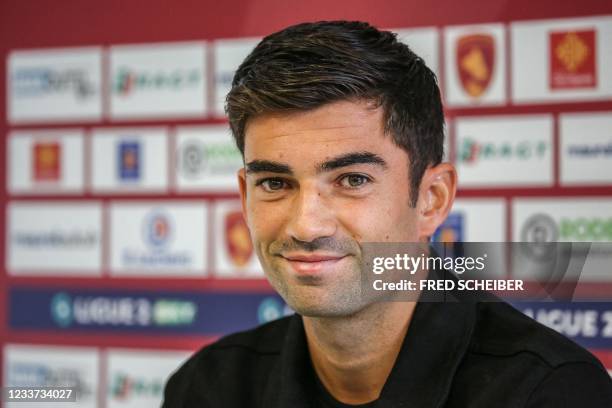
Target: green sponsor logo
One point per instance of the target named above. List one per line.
(124, 387)
(586, 229)
(198, 159)
(174, 312)
(472, 150)
(127, 81)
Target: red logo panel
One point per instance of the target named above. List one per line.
(572, 59)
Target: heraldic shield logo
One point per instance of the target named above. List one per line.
(475, 59)
(47, 160)
(572, 60)
(238, 241)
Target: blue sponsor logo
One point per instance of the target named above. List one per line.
(38, 81)
(157, 234)
(157, 229)
(592, 151)
(451, 229)
(132, 311)
(129, 161)
(31, 374)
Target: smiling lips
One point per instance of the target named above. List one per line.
(309, 264)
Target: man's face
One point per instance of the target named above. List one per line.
(317, 185)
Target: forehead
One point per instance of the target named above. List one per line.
(331, 129)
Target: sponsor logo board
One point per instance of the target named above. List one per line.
(588, 323)
(91, 310)
(475, 65)
(519, 151)
(45, 162)
(562, 219)
(136, 378)
(54, 238)
(228, 55)
(561, 60)
(54, 85)
(158, 80)
(145, 312)
(129, 160)
(464, 224)
(234, 254)
(586, 149)
(157, 239)
(53, 366)
(207, 159)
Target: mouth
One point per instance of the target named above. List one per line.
(312, 264)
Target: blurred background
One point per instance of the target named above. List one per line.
(123, 249)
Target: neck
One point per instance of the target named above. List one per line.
(353, 356)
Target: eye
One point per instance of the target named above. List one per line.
(354, 180)
(271, 185)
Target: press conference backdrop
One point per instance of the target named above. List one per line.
(124, 249)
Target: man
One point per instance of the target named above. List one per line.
(341, 129)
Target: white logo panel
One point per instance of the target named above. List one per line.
(504, 151)
(586, 149)
(129, 160)
(228, 55)
(136, 378)
(53, 366)
(565, 219)
(475, 65)
(158, 80)
(576, 219)
(465, 224)
(54, 238)
(49, 161)
(162, 238)
(474, 211)
(54, 85)
(207, 159)
(578, 47)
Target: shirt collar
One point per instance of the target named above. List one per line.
(438, 337)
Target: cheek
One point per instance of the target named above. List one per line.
(264, 222)
(387, 217)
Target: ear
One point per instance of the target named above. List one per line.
(242, 186)
(436, 197)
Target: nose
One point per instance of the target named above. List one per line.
(311, 217)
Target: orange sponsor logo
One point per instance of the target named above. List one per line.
(475, 59)
(238, 240)
(572, 59)
(46, 163)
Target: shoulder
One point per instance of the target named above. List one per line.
(233, 360)
(574, 384)
(502, 330)
(532, 364)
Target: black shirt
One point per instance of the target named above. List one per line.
(456, 354)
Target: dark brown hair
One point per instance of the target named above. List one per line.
(308, 65)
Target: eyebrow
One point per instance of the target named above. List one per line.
(350, 159)
(267, 166)
(345, 160)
